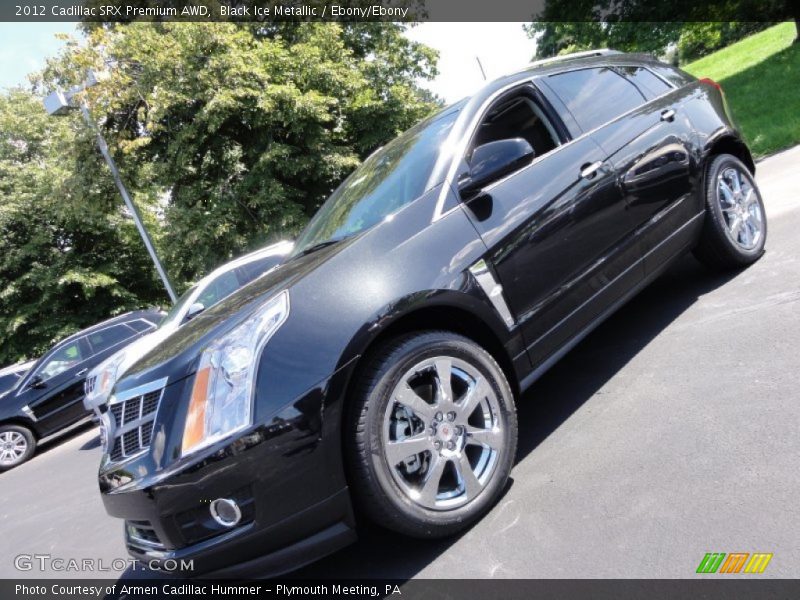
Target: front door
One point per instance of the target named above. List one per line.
(557, 229)
(57, 400)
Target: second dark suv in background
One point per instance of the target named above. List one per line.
(48, 398)
(378, 366)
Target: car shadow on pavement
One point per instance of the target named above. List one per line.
(61, 438)
(92, 443)
(543, 408)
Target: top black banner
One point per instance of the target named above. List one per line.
(398, 10)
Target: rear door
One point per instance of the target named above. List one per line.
(556, 229)
(650, 144)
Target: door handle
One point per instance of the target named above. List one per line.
(81, 373)
(589, 170)
(668, 115)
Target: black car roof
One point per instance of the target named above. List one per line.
(599, 58)
(124, 318)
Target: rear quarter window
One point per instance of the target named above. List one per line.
(674, 75)
(595, 96)
(648, 83)
(110, 336)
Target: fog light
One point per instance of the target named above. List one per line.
(225, 512)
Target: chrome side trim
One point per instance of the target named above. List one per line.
(493, 290)
(29, 413)
(138, 391)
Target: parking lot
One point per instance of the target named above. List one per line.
(670, 432)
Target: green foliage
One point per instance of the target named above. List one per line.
(228, 137)
(554, 38)
(699, 39)
(760, 75)
(69, 257)
(564, 26)
(246, 129)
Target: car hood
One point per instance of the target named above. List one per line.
(175, 357)
(134, 351)
(140, 348)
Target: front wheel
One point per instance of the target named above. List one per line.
(735, 227)
(432, 435)
(17, 444)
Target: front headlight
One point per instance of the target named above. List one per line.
(104, 379)
(222, 394)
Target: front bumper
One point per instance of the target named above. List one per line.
(285, 475)
(253, 551)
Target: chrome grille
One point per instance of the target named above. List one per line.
(88, 385)
(133, 424)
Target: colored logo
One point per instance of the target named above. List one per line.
(736, 562)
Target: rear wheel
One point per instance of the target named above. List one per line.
(433, 434)
(17, 444)
(735, 228)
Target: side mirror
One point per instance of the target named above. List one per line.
(492, 161)
(37, 383)
(194, 310)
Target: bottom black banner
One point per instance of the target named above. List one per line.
(416, 589)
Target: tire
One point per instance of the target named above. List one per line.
(17, 444)
(724, 244)
(470, 450)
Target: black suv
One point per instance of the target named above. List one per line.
(48, 398)
(378, 366)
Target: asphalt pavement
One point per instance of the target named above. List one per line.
(670, 432)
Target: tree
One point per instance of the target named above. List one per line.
(243, 130)
(647, 26)
(227, 136)
(554, 38)
(69, 256)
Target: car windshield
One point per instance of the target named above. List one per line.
(177, 308)
(386, 181)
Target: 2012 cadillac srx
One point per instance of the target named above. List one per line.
(375, 371)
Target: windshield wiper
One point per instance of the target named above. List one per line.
(320, 245)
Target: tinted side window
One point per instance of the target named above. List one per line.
(595, 96)
(675, 76)
(650, 85)
(110, 336)
(141, 325)
(521, 117)
(222, 286)
(250, 271)
(62, 359)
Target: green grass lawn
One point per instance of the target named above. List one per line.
(761, 79)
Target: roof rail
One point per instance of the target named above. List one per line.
(584, 54)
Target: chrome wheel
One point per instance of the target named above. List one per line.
(13, 446)
(740, 207)
(442, 433)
